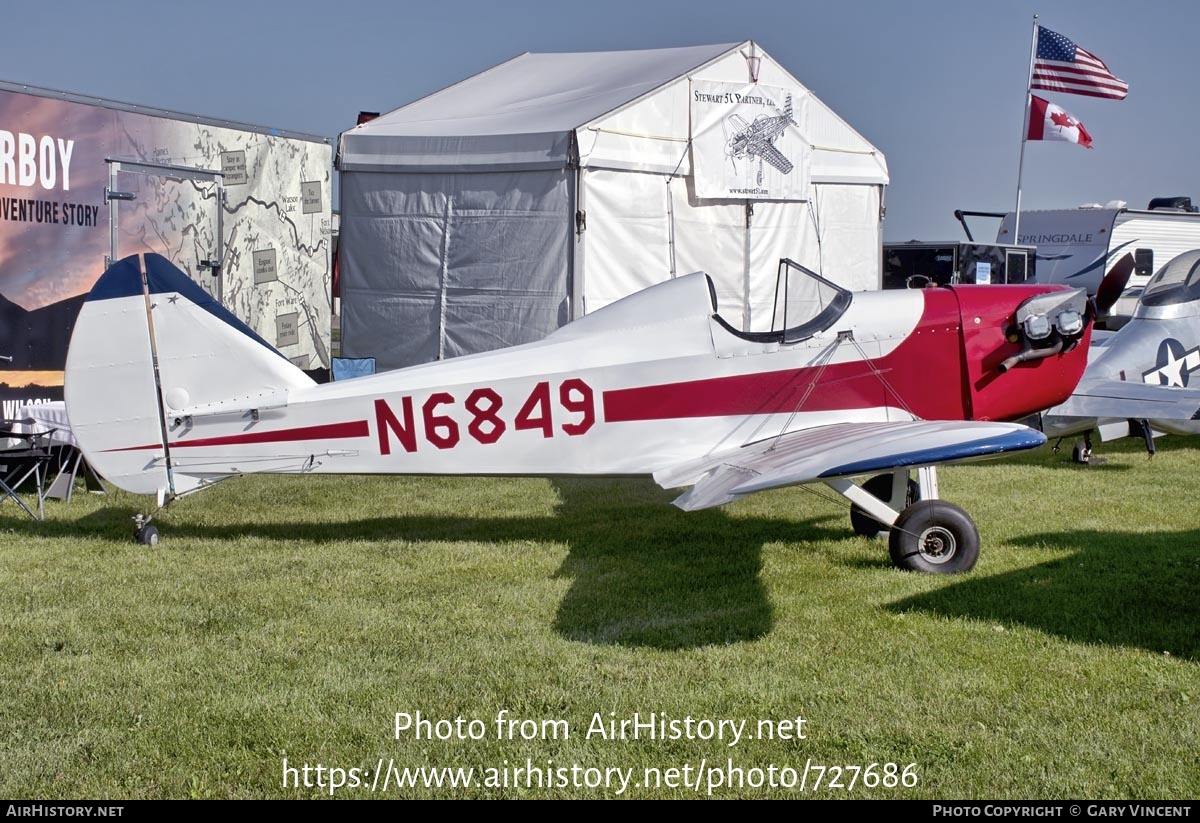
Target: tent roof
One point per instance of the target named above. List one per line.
(538, 93)
(524, 113)
(517, 115)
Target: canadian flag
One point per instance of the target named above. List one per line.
(1050, 122)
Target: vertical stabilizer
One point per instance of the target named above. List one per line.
(123, 404)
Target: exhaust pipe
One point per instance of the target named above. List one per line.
(1031, 354)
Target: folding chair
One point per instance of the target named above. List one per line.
(347, 368)
(30, 462)
(69, 463)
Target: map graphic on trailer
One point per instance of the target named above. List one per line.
(54, 232)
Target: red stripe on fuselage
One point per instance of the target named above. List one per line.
(925, 373)
(762, 393)
(333, 431)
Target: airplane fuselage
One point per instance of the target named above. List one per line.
(764, 131)
(1160, 346)
(168, 393)
(651, 382)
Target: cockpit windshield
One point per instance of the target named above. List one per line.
(1176, 282)
(805, 302)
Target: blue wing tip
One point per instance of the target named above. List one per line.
(1012, 441)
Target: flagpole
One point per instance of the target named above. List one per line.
(1025, 130)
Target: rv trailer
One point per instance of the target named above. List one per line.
(1078, 247)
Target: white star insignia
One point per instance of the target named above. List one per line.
(1173, 370)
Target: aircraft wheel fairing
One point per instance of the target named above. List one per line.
(934, 537)
(880, 486)
(146, 536)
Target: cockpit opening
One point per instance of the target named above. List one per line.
(805, 304)
(1178, 281)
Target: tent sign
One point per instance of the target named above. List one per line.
(746, 144)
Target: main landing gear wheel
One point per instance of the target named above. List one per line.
(146, 536)
(879, 486)
(1082, 453)
(934, 537)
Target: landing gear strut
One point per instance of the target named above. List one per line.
(924, 534)
(881, 485)
(1082, 453)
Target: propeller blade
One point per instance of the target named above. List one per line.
(1114, 284)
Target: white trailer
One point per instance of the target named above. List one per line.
(243, 209)
(1079, 246)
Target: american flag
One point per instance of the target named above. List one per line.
(1060, 65)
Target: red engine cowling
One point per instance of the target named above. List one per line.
(996, 390)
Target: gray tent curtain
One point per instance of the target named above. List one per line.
(438, 265)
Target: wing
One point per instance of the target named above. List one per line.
(775, 157)
(840, 450)
(1121, 398)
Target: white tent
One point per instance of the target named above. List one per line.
(496, 210)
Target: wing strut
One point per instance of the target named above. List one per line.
(826, 358)
(878, 372)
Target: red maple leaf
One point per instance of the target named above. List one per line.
(1059, 118)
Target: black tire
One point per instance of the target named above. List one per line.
(934, 537)
(879, 486)
(146, 536)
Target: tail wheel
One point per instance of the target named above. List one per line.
(879, 486)
(934, 537)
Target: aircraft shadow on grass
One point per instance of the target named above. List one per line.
(642, 573)
(646, 574)
(1137, 590)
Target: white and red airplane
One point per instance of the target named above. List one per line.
(167, 393)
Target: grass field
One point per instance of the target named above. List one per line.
(294, 617)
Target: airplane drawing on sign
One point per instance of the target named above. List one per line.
(757, 140)
(169, 393)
